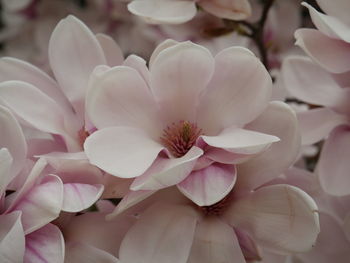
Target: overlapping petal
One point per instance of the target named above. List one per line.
(229, 9)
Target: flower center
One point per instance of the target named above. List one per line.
(180, 137)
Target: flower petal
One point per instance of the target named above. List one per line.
(12, 243)
(281, 218)
(337, 8)
(45, 245)
(332, 54)
(215, 241)
(178, 74)
(122, 151)
(234, 10)
(41, 204)
(78, 197)
(73, 53)
(111, 50)
(79, 252)
(140, 65)
(279, 120)
(209, 185)
(15, 69)
(166, 172)
(120, 97)
(164, 11)
(333, 166)
(5, 165)
(162, 234)
(316, 124)
(224, 104)
(241, 141)
(163, 45)
(310, 83)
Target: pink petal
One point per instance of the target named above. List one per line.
(215, 241)
(11, 238)
(248, 246)
(310, 83)
(332, 54)
(166, 172)
(32, 106)
(120, 97)
(15, 69)
(73, 53)
(132, 148)
(224, 104)
(13, 139)
(241, 141)
(6, 177)
(162, 234)
(140, 65)
(93, 229)
(112, 52)
(162, 46)
(281, 218)
(178, 75)
(78, 197)
(45, 245)
(279, 120)
(316, 124)
(208, 186)
(164, 11)
(79, 252)
(229, 9)
(129, 200)
(41, 204)
(333, 166)
(330, 25)
(115, 187)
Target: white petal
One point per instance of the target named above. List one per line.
(282, 218)
(122, 151)
(229, 9)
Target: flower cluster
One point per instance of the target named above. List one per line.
(202, 135)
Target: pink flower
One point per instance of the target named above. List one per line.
(181, 11)
(310, 83)
(329, 46)
(167, 126)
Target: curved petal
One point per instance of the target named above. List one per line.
(32, 106)
(78, 197)
(310, 83)
(178, 74)
(140, 65)
(120, 97)
(282, 218)
(5, 166)
(316, 124)
(15, 69)
(12, 243)
(163, 45)
(122, 151)
(329, 25)
(240, 79)
(166, 172)
(112, 52)
(45, 245)
(208, 186)
(215, 241)
(80, 252)
(13, 139)
(241, 141)
(279, 120)
(41, 204)
(162, 234)
(333, 166)
(331, 54)
(337, 8)
(73, 53)
(234, 10)
(163, 11)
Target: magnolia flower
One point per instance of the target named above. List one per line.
(26, 213)
(329, 46)
(310, 83)
(168, 125)
(181, 11)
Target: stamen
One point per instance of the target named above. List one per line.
(180, 137)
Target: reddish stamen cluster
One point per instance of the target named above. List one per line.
(180, 137)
